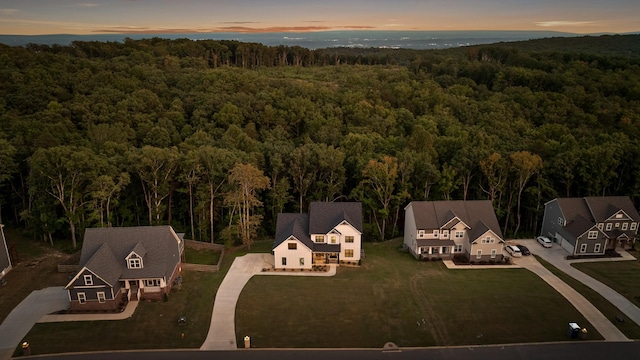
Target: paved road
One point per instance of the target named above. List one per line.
(27, 313)
(222, 329)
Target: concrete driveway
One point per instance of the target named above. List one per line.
(27, 313)
(556, 256)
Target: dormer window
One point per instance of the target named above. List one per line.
(88, 280)
(445, 233)
(435, 233)
(134, 262)
(319, 238)
(618, 216)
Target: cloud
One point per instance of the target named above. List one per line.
(87, 5)
(238, 29)
(565, 23)
(8, 12)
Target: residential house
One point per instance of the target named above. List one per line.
(329, 234)
(444, 229)
(118, 264)
(5, 259)
(591, 225)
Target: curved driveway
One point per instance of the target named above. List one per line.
(222, 329)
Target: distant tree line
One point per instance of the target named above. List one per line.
(218, 137)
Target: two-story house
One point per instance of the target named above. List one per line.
(5, 259)
(126, 263)
(591, 225)
(329, 234)
(444, 229)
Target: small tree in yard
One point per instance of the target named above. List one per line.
(246, 180)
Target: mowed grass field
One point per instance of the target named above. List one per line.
(394, 297)
(621, 276)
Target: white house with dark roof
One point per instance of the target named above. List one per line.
(444, 229)
(118, 264)
(591, 225)
(329, 234)
(5, 259)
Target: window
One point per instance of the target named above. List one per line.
(292, 246)
(420, 233)
(560, 221)
(301, 261)
(319, 238)
(445, 250)
(445, 233)
(619, 216)
(435, 233)
(459, 234)
(601, 226)
(82, 298)
(625, 226)
(152, 282)
(583, 248)
(284, 261)
(596, 248)
(617, 225)
(348, 253)
(488, 240)
(493, 253)
(334, 239)
(101, 297)
(479, 254)
(348, 239)
(88, 280)
(458, 248)
(608, 226)
(633, 226)
(135, 263)
(593, 235)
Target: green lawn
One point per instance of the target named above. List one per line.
(388, 298)
(621, 276)
(201, 256)
(628, 327)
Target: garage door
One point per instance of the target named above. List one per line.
(566, 245)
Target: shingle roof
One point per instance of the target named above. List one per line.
(574, 207)
(291, 224)
(603, 207)
(324, 216)
(578, 225)
(161, 255)
(478, 214)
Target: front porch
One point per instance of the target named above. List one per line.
(323, 258)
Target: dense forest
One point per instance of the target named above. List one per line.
(218, 137)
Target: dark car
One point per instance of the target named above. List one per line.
(524, 250)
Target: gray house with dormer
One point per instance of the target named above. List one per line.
(119, 264)
(591, 225)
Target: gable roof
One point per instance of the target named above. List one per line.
(104, 251)
(478, 214)
(579, 225)
(290, 224)
(324, 216)
(603, 207)
(581, 214)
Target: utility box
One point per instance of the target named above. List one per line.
(584, 333)
(573, 330)
(247, 342)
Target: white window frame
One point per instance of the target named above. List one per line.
(284, 261)
(101, 297)
(346, 253)
(596, 248)
(319, 239)
(420, 233)
(349, 239)
(609, 226)
(593, 234)
(633, 226)
(600, 226)
(458, 248)
(625, 226)
(479, 254)
(334, 239)
(435, 233)
(88, 280)
(459, 234)
(494, 253)
(292, 246)
(445, 233)
(134, 263)
(82, 298)
(152, 282)
(617, 225)
(583, 248)
(560, 221)
(618, 216)
(301, 261)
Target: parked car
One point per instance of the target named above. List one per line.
(544, 241)
(513, 250)
(524, 250)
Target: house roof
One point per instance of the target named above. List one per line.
(574, 207)
(478, 214)
(603, 207)
(324, 216)
(290, 224)
(104, 251)
(579, 225)
(435, 242)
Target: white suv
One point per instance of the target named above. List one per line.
(513, 250)
(544, 241)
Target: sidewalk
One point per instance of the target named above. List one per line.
(127, 313)
(222, 329)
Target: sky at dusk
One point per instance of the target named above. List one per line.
(31, 17)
